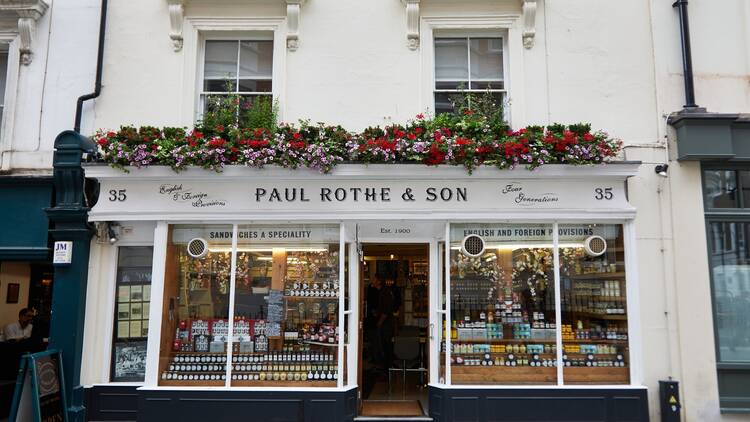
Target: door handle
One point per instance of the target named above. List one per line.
(432, 329)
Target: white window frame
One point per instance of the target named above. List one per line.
(505, 26)
(158, 268)
(468, 37)
(203, 94)
(9, 41)
(195, 33)
(632, 292)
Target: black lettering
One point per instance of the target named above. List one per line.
(355, 192)
(325, 194)
(431, 195)
(292, 197)
(340, 194)
(446, 194)
(259, 193)
(385, 194)
(461, 194)
(302, 197)
(370, 194)
(274, 195)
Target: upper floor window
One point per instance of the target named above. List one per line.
(3, 80)
(241, 67)
(467, 66)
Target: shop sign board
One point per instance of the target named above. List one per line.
(40, 389)
(140, 198)
(63, 253)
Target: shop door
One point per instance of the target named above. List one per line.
(395, 328)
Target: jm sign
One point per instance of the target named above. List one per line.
(122, 197)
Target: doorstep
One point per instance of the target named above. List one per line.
(393, 419)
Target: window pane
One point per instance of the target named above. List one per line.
(221, 59)
(444, 102)
(451, 85)
(502, 304)
(451, 59)
(196, 315)
(730, 266)
(720, 189)
(594, 311)
(745, 183)
(131, 313)
(3, 74)
(484, 85)
(219, 85)
(249, 85)
(286, 306)
(486, 58)
(256, 59)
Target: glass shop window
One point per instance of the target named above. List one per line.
(286, 311)
(594, 306)
(133, 296)
(195, 326)
(502, 295)
(281, 284)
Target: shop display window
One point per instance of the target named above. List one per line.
(286, 313)
(267, 303)
(502, 316)
(132, 300)
(594, 325)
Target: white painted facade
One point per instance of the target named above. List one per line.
(616, 64)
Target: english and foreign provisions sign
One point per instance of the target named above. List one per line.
(351, 197)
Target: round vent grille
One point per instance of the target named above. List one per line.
(595, 246)
(472, 246)
(197, 248)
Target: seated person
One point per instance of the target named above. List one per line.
(20, 330)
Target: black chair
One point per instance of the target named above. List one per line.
(407, 356)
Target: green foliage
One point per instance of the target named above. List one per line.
(261, 112)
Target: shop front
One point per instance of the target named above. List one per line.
(291, 295)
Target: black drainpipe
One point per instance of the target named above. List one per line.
(687, 55)
(99, 61)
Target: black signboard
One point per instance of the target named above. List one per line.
(40, 389)
(275, 306)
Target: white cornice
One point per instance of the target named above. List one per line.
(27, 12)
(177, 17)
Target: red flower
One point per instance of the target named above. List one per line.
(234, 150)
(462, 141)
(435, 156)
(102, 141)
(220, 128)
(420, 116)
(588, 137)
(154, 147)
(111, 134)
(412, 136)
(297, 145)
(418, 130)
(296, 135)
(198, 135)
(468, 112)
(216, 143)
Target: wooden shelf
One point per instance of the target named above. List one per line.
(596, 276)
(503, 374)
(248, 383)
(191, 383)
(596, 375)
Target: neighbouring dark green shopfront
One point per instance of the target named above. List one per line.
(24, 243)
(721, 143)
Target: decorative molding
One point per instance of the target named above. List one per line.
(292, 18)
(412, 23)
(529, 22)
(28, 13)
(176, 18)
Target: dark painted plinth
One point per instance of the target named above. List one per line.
(536, 405)
(107, 403)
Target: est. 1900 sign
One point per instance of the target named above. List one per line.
(338, 197)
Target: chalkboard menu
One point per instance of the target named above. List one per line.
(40, 392)
(275, 305)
